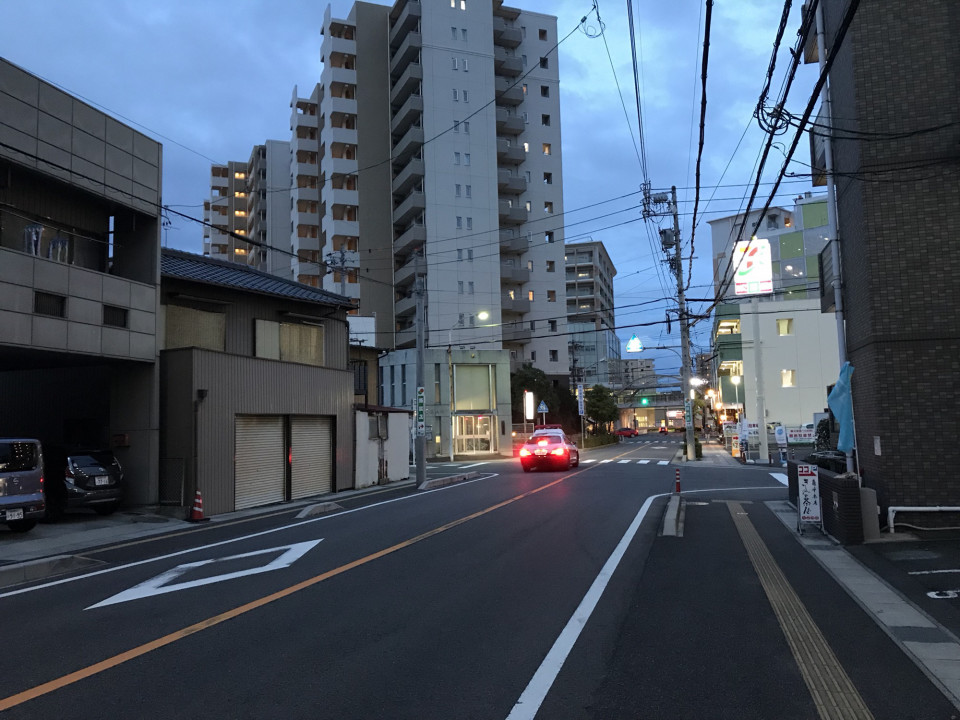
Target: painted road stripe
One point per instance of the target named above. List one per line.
(587, 462)
(779, 477)
(663, 462)
(621, 462)
(607, 460)
(474, 465)
(932, 572)
(538, 687)
(643, 462)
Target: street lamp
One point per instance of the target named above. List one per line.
(482, 315)
(735, 379)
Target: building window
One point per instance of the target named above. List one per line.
(524, 85)
(533, 325)
(456, 158)
(470, 287)
(469, 191)
(453, 30)
(533, 356)
(545, 120)
(543, 34)
(527, 175)
(523, 32)
(554, 356)
(530, 265)
(466, 158)
(523, 59)
(456, 64)
(788, 378)
(526, 147)
(547, 149)
(463, 34)
(551, 266)
(544, 63)
(469, 223)
(548, 178)
(456, 126)
(548, 236)
(463, 4)
(465, 67)
(466, 98)
(456, 190)
(114, 316)
(459, 287)
(49, 304)
(784, 326)
(466, 127)
(456, 95)
(460, 254)
(544, 91)
(548, 207)
(469, 254)
(530, 295)
(553, 326)
(551, 295)
(528, 205)
(459, 222)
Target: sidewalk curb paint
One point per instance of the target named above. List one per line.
(449, 480)
(44, 568)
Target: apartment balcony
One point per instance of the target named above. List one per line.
(507, 92)
(345, 228)
(331, 45)
(510, 244)
(408, 52)
(413, 236)
(412, 206)
(342, 135)
(408, 145)
(405, 276)
(511, 215)
(508, 124)
(508, 184)
(517, 306)
(517, 335)
(341, 196)
(331, 166)
(405, 338)
(310, 194)
(345, 76)
(508, 154)
(506, 35)
(332, 105)
(411, 176)
(403, 19)
(513, 274)
(305, 218)
(406, 306)
(300, 242)
(407, 115)
(304, 121)
(306, 169)
(505, 63)
(411, 80)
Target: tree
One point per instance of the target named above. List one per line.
(601, 406)
(562, 404)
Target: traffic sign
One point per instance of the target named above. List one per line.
(580, 399)
(421, 427)
(542, 407)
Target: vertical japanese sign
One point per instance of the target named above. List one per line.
(808, 496)
(580, 399)
(421, 426)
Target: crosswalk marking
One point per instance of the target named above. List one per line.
(779, 477)
(643, 462)
(608, 460)
(585, 462)
(621, 462)
(663, 462)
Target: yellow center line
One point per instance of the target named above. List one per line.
(112, 662)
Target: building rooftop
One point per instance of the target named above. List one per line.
(190, 266)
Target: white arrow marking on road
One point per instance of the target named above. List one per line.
(162, 583)
(779, 477)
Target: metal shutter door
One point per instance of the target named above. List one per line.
(259, 461)
(312, 456)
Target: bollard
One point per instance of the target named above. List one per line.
(677, 486)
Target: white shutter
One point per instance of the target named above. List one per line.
(312, 456)
(260, 461)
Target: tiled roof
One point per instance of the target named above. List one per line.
(190, 266)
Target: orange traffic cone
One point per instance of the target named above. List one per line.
(196, 514)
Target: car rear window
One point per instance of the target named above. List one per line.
(93, 458)
(18, 456)
(550, 438)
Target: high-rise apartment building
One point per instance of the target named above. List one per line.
(251, 199)
(594, 347)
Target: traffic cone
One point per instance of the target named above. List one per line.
(196, 514)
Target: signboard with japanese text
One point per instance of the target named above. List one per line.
(421, 426)
(808, 496)
(801, 436)
(580, 408)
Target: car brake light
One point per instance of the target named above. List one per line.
(542, 443)
(559, 451)
(524, 452)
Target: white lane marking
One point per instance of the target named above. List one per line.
(538, 687)
(659, 447)
(585, 462)
(621, 462)
(162, 583)
(779, 477)
(64, 581)
(608, 460)
(474, 465)
(642, 462)
(663, 462)
(932, 572)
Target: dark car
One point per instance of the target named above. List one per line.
(549, 448)
(81, 477)
(21, 483)
(626, 432)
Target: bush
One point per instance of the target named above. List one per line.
(698, 448)
(599, 440)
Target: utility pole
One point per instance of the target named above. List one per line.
(420, 446)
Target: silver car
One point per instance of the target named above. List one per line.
(21, 483)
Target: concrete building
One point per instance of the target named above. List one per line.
(594, 348)
(79, 277)
(897, 110)
(251, 200)
(779, 344)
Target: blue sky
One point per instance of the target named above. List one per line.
(211, 79)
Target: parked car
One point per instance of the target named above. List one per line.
(22, 499)
(82, 477)
(626, 432)
(549, 448)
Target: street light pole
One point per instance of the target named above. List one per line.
(735, 379)
(685, 370)
(420, 446)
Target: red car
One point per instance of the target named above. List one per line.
(627, 432)
(549, 448)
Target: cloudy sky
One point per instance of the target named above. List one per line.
(211, 78)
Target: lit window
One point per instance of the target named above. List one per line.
(788, 378)
(530, 295)
(239, 176)
(241, 232)
(548, 178)
(548, 207)
(240, 213)
(240, 194)
(547, 149)
(785, 326)
(526, 147)
(529, 206)
(524, 85)
(463, 6)
(239, 251)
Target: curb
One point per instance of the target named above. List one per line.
(43, 568)
(449, 480)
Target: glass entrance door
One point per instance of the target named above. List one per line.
(474, 434)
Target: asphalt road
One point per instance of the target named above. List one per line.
(547, 595)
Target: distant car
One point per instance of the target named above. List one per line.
(21, 483)
(626, 432)
(80, 477)
(663, 430)
(550, 449)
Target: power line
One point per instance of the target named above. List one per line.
(703, 121)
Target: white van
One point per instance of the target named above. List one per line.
(22, 501)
